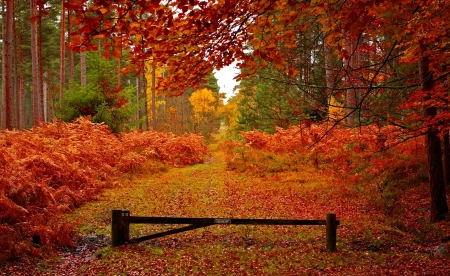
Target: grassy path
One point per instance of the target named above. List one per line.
(209, 190)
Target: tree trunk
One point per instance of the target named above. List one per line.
(7, 60)
(146, 104)
(153, 97)
(351, 92)
(439, 207)
(83, 79)
(35, 64)
(42, 96)
(447, 158)
(119, 71)
(20, 83)
(138, 98)
(62, 52)
(71, 73)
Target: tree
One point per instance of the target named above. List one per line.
(62, 51)
(100, 98)
(7, 62)
(35, 65)
(229, 117)
(193, 36)
(203, 103)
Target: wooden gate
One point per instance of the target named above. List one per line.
(121, 220)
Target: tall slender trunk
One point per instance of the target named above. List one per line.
(83, 79)
(45, 84)
(7, 62)
(329, 77)
(35, 64)
(153, 97)
(71, 73)
(4, 72)
(146, 104)
(42, 96)
(119, 67)
(351, 93)
(62, 52)
(138, 98)
(439, 207)
(447, 158)
(20, 83)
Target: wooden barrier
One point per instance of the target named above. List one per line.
(121, 220)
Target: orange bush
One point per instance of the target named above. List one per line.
(342, 149)
(50, 170)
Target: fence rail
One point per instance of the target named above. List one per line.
(121, 220)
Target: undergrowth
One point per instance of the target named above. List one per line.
(51, 170)
(381, 165)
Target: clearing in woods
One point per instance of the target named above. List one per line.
(367, 245)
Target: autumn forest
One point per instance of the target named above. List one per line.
(341, 107)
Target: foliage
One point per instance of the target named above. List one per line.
(384, 150)
(51, 170)
(229, 118)
(367, 241)
(110, 107)
(203, 104)
(381, 162)
(102, 98)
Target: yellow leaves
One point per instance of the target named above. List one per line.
(203, 103)
(229, 113)
(134, 24)
(103, 11)
(336, 110)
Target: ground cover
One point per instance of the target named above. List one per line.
(368, 242)
(379, 198)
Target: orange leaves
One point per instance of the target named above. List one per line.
(334, 148)
(178, 151)
(55, 168)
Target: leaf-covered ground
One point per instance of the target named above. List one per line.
(368, 242)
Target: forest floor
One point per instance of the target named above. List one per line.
(368, 243)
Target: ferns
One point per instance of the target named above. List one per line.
(51, 170)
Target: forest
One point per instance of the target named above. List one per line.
(341, 106)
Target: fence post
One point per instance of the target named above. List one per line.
(331, 232)
(125, 227)
(116, 228)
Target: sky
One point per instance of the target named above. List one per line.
(225, 80)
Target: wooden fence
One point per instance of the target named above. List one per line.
(121, 220)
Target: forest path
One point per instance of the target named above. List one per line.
(210, 190)
(205, 190)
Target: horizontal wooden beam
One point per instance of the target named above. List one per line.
(166, 233)
(211, 221)
(121, 220)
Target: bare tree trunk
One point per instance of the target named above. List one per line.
(7, 60)
(138, 98)
(35, 64)
(153, 97)
(42, 96)
(351, 93)
(439, 207)
(146, 104)
(71, 73)
(83, 79)
(20, 84)
(119, 67)
(447, 158)
(62, 52)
